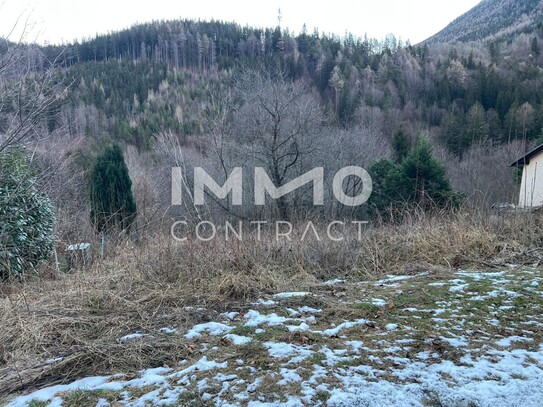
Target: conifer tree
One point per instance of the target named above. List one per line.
(401, 145)
(420, 179)
(477, 126)
(392, 189)
(427, 174)
(536, 49)
(112, 202)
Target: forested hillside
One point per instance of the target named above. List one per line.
(494, 19)
(146, 73)
(180, 90)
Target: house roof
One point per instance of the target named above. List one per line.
(525, 159)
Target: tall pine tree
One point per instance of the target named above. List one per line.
(431, 185)
(112, 202)
(400, 144)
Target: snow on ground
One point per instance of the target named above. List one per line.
(473, 339)
(213, 328)
(291, 294)
(238, 339)
(132, 337)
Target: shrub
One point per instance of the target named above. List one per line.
(26, 217)
(419, 181)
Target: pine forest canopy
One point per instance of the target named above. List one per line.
(124, 76)
(178, 80)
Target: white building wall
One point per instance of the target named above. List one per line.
(531, 188)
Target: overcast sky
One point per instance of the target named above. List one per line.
(56, 21)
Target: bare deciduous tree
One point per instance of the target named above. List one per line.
(278, 124)
(27, 91)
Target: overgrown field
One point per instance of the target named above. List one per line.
(435, 311)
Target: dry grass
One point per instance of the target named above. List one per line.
(80, 316)
(453, 241)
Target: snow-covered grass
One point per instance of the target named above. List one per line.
(452, 339)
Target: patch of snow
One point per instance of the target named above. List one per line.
(456, 342)
(308, 310)
(496, 293)
(289, 376)
(298, 328)
(202, 365)
(356, 345)
(255, 318)
(291, 294)
(378, 302)
(293, 312)
(132, 337)
(391, 327)
(405, 341)
(231, 315)
(212, 328)
(459, 287)
(423, 355)
(265, 303)
(282, 350)
(48, 393)
(334, 356)
(394, 279)
(506, 342)
(335, 281)
(480, 276)
(345, 325)
(238, 339)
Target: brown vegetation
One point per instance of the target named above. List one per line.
(80, 316)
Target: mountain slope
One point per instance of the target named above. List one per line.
(492, 19)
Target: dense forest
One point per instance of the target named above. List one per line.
(447, 86)
(174, 92)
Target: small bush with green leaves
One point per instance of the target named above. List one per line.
(27, 217)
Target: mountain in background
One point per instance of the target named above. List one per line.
(492, 20)
(176, 82)
(211, 94)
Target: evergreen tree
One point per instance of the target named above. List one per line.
(401, 145)
(431, 185)
(477, 126)
(494, 125)
(419, 180)
(112, 203)
(494, 49)
(454, 132)
(392, 189)
(470, 64)
(536, 49)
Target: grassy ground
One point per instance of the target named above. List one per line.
(315, 346)
(429, 336)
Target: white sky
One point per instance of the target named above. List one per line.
(56, 21)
